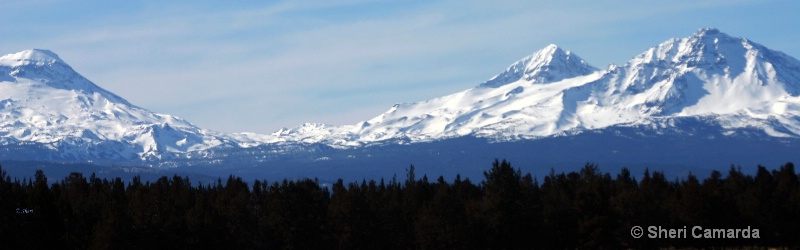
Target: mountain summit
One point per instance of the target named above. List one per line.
(708, 73)
(549, 64)
(38, 67)
(39, 57)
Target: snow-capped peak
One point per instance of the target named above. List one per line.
(550, 64)
(37, 57)
(737, 66)
(45, 102)
(45, 68)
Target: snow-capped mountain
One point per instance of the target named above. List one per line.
(45, 103)
(50, 112)
(730, 81)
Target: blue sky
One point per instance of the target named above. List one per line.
(261, 65)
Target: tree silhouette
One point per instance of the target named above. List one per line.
(506, 210)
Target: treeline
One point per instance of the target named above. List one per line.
(508, 210)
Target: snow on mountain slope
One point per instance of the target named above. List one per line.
(733, 81)
(43, 100)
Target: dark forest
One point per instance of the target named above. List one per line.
(507, 210)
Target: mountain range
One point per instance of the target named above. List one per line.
(732, 81)
(734, 99)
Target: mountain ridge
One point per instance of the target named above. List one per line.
(726, 82)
